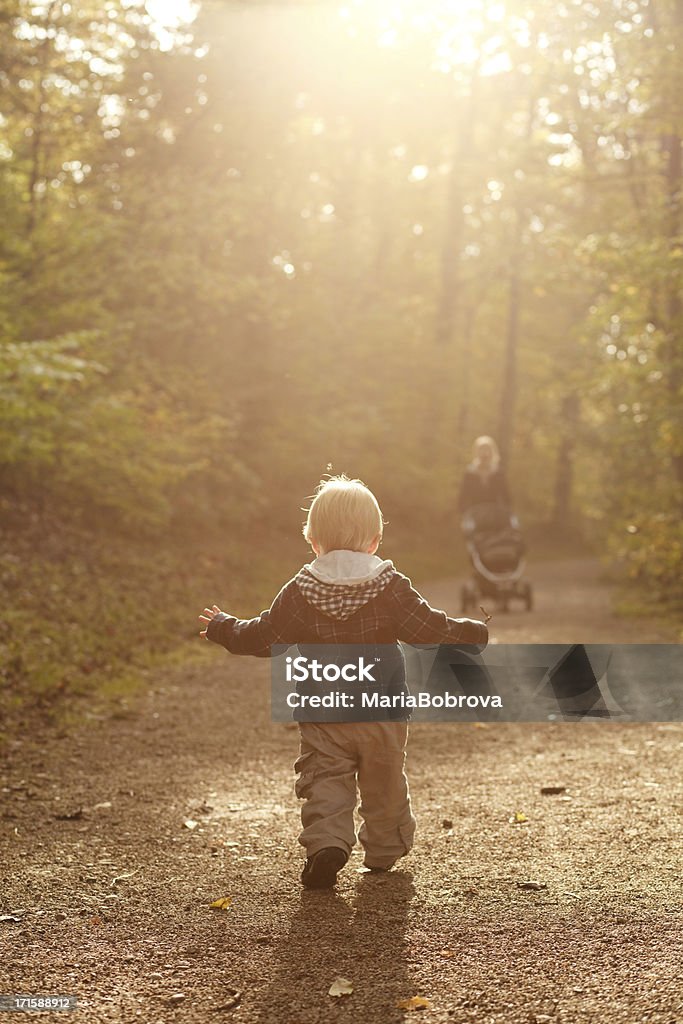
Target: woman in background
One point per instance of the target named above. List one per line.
(491, 533)
(484, 481)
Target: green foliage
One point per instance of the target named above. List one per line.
(651, 549)
(39, 381)
(68, 436)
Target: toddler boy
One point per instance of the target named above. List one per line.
(347, 595)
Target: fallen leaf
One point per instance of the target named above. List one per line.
(553, 790)
(104, 806)
(9, 917)
(449, 954)
(190, 824)
(121, 878)
(446, 823)
(532, 886)
(234, 1000)
(222, 903)
(414, 1003)
(70, 815)
(201, 806)
(340, 987)
(518, 818)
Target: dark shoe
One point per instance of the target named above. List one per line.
(377, 867)
(321, 869)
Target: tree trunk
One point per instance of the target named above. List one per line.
(564, 479)
(36, 171)
(508, 400)
(672, 144)
(509, 390)
(464, 382)
(449, 304)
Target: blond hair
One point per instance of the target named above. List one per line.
(487, 441)
(344, 515)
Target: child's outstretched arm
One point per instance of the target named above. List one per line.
(418, 623)
(207, 616)
(248, 636)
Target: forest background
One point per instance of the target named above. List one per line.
(245, 243)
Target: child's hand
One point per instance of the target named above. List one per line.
(207, 615)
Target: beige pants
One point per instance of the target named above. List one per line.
(334, 758)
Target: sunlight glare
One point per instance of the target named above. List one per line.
(466, 31)
(171, 14)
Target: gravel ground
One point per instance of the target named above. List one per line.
(108, 889)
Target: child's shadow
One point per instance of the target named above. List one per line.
(361, 937)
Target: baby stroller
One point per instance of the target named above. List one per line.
(496, 549)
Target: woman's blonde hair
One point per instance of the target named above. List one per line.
(480, 443)
(344, 515)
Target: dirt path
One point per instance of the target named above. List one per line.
(112, 903)
(572, 604)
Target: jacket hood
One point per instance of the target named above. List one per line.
(347, 568)
(339, 583)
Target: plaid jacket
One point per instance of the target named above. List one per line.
(384, 610)
(339, 623)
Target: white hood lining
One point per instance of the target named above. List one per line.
(347, 568)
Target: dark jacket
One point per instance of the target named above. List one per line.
(478, 490)
(381, 610)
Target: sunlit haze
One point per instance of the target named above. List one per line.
(172, 13)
